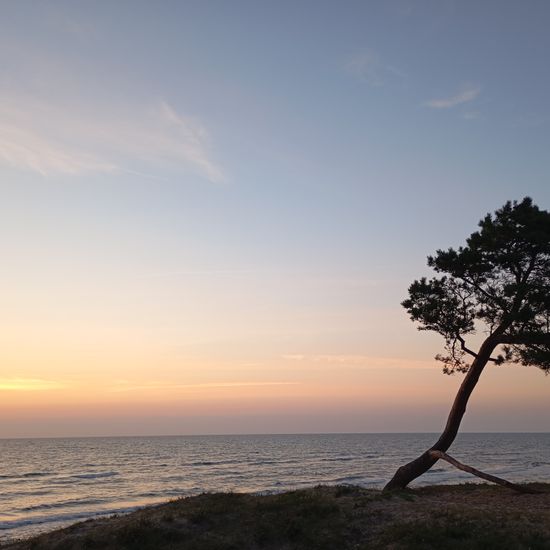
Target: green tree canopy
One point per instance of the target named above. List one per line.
(498, 283)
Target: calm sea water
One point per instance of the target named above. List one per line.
(48, 483)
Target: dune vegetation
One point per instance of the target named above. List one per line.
(341, 517)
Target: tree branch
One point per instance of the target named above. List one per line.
(469, 351)
(463, 346)
(470, 281)
(494, 479)
(525, 338)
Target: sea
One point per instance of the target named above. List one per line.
(49, 483)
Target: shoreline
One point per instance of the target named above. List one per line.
(470, 515)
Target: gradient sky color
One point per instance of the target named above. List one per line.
(211, 211)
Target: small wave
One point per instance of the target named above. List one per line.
(338, 459)
(162, 493)
(69, 517)
(95, 475)
(214, 462)
(63, 504)
(347, 479)
(25, 476)
(60, 481)
(15, 494)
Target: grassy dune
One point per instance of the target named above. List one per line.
(331, 518)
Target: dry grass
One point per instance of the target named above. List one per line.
(331, 518)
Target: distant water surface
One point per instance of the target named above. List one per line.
(48, 483)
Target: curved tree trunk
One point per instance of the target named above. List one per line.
(407, 473)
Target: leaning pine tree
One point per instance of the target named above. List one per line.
(499, 283)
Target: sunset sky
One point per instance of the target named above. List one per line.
(210, 211)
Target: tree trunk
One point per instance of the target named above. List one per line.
(407, 473)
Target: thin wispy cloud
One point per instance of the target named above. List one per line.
(206, 272)
(360, 361)
(49, 138)
(29, 384)
(188, 140)
(466, 95)
(369, 67)
(164, 386)
(27, 148)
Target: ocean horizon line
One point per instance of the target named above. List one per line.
(258, 434)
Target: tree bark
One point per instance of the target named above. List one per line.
(409, 472)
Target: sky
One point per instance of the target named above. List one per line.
(210, 211)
